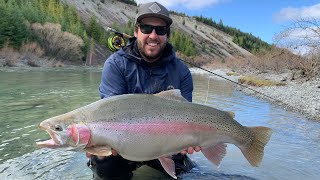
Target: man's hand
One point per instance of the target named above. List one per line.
(114, 153)
(190, 150)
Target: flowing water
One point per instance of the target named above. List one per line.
(28, 96)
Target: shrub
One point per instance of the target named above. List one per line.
(10, 55)
(62, 45)
(31, 50)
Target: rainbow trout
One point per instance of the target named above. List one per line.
(143, 127)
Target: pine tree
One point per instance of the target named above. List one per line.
(12, 28)
(93, 29)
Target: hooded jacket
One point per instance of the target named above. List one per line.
(125, 72)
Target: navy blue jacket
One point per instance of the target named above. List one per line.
(125, 72)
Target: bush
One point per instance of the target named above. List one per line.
(63, 45)
(31, 52)
(10, 55)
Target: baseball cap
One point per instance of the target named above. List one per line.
(153, 9)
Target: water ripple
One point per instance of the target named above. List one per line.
(9, 140)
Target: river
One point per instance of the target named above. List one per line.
(28, 96)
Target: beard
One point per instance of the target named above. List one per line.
(151, 57)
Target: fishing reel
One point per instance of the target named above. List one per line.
(117, 41)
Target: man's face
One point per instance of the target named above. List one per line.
(151, 45)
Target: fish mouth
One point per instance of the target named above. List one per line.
(72, 138)
(54, 142)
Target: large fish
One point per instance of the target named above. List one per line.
(143, 127)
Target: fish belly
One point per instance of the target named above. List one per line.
(147, 141)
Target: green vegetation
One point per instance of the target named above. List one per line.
(12, 28)
(183, 43)
(178, 13)
(96, 31)
(18, 19)
(245, 40)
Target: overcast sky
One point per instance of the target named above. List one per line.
(261, 18)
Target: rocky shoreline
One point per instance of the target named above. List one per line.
(301, 96)
(297, 95)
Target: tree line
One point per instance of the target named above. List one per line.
(245, 40)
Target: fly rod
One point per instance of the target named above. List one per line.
(118, 41)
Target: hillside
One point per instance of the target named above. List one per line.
(210, 41)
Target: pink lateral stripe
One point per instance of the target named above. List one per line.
(155, 127)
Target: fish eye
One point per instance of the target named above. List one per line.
(58, 128)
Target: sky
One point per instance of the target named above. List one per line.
(261, 18)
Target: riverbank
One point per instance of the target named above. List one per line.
(297, 95)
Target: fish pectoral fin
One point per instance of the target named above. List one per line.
(173, 94)
(168, 166)
(215, 153)
(99, 150)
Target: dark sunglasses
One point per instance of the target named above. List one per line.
(147, 29)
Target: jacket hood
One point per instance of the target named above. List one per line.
(131, 52)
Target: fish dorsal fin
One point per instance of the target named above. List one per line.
(173, 94)
(231, 114)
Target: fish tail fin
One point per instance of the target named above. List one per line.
(253, 151)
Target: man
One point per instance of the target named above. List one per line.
(146, 65)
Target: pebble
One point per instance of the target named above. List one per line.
(297, 95)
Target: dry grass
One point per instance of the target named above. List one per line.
(195, 60)
(10, 55)
(232, 73)
(277, 60)
(56, 63)
(253, 81)
(31, 49)
(31, 52)
(62, 45)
